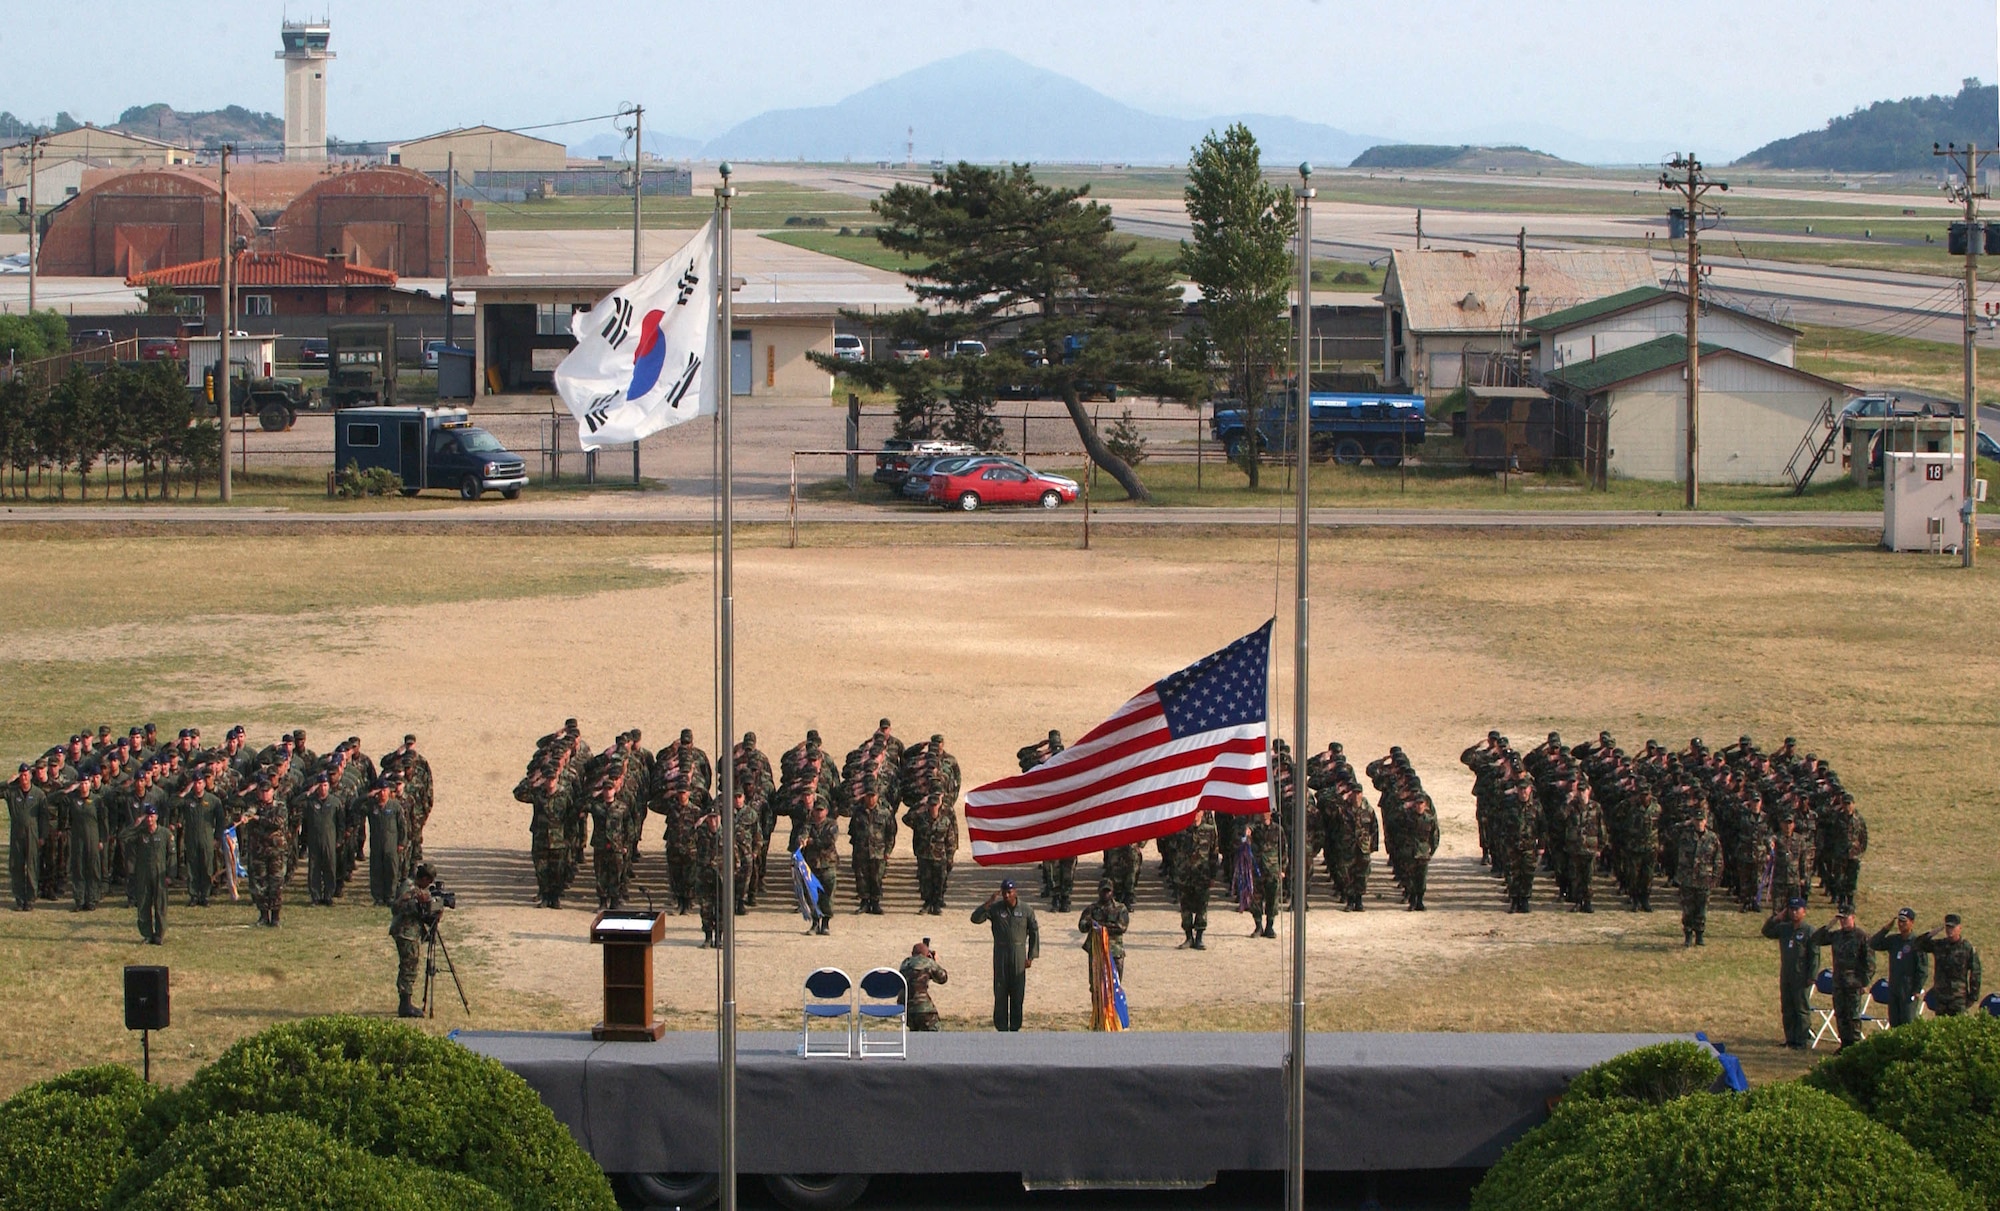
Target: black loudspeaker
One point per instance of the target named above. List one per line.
(146, 1005)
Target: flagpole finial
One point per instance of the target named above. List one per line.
(1305, 171)
(724, 169)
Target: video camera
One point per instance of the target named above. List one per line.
(441, 897)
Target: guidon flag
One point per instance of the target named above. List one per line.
(1193, 741)
(645, 355)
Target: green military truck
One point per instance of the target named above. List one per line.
(275, 400)
(360, 365)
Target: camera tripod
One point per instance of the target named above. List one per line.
(433, 947)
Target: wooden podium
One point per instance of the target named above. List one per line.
(628, 938)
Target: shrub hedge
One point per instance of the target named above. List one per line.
(1653, 1075)
(276, 1162)
(1776, 1148)
(395, 1092)
(63, 1142)
(1936, 1083)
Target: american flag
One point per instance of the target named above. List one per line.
(1191, 742)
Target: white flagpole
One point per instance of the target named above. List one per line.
(725, 903)
(1295, 1069)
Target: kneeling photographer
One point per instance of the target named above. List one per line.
(419, 903)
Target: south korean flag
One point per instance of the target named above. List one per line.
(645, 354)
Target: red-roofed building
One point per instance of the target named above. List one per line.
(290, 283)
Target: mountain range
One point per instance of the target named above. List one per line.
(987, 105)
(1890, 136)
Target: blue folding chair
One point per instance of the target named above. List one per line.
(829, 999)
(883, 999)
(1822, 1010)
(1991, 1004)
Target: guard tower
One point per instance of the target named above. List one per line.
(305, 57)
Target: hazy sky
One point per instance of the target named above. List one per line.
(1717, 76)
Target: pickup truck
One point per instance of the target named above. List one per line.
(428, 448)
(1346, 428)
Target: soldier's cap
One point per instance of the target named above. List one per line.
(569, 724)
(1744, 741)
(1790, 741)
(234, 732)
(408, 737)
(1556, 737)
(1493, 734)
(152, 727)
(1104, 885)
(937, 737)
(1844, 909)
(184, 734)
(136, 732)
(1796, 902)
(1006, 885)
(1054, 734)
(749, 737)
(1951, 918)
(318, 780)
(1335, 747)
(152, 810)
(1906, 914)
(687, 735)
(812, 735)
(884, 724)
(23, 769)
(424, 870)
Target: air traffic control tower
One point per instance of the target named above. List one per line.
(305, 57)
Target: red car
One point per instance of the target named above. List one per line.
(1000, 484)
(160, 349)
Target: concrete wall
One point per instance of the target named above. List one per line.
(778, 349)
(1667, 317)
(1751, 422)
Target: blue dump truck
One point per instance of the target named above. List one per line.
(1346, 428)
(428, 448)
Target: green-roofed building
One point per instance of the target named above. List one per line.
(1754, 411)
(1633, 317)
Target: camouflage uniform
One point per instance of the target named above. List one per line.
(1583, 839)
(1121, 866)
(868, 850)
(1699, 866)
(760, 794)
(1115, 919)
(934, 838)
(410, 908)
(920, 971)
(1355, 836)
(1196, 859)
(1955, 987)
(706, 851)
(1059, 876)
(1267, 848)
(819, 846)
(1791, 865)
(1416, 842)
(266, 837)
(1853, 968)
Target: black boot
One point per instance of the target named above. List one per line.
(1687, 938)
(1187, 938)
(1256, 924)
(1700, 937)
(1270, 928)
(1198, 944)
(404, 1009)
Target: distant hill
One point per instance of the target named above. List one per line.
(990, 106)
(1890, 136)
(1465, 155)
(204, 128)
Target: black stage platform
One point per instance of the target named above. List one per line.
(1135, 1107)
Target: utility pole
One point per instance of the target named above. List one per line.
(1693, 185)
(450, 229)
(34, 155)
(638, 179)
(725, 652)
(1420, 229)
(1521, 296)
(224, 280)
(1966, 160)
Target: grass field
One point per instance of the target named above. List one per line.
(758, 204)
(1665, 634)
(1863, 358)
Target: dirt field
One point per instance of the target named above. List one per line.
(1423, 640)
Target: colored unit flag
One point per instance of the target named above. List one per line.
(1191, 742)
(645, 355)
